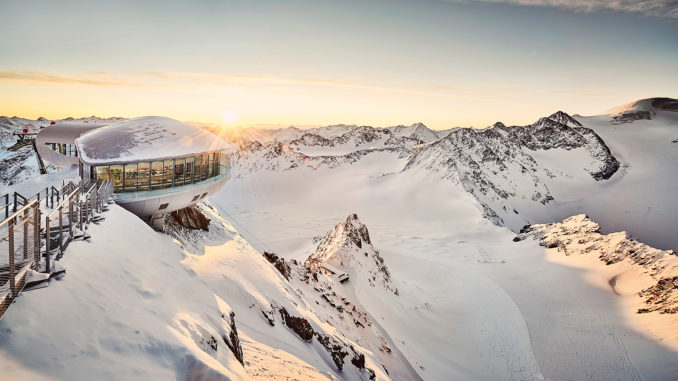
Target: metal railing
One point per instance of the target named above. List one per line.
(19, 251)
(21, 236)
(11, 202)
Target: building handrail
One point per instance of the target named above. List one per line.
(22, 210)
(63, 203)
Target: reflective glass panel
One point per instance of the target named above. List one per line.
(130, 180)
(143, 175)
(168, 169)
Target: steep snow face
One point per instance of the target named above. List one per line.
(277, 309)
(134, 305)
(127, 309)
(338, 302)
(642, 109)
(645, 276)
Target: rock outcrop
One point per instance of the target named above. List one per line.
(642, 109)
(348, 246)
(190, 218)
(578, 235)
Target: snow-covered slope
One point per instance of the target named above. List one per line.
(506, 168)
(436, 291)
(135, 306)
(471, 304)
(347, 248)
(647, 278)
(641, 109)
(500, 165)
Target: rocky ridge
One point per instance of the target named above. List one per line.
(348, 248)
(496, 165)
(656, 271)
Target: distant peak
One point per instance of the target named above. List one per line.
(499, 125)
(564, 118)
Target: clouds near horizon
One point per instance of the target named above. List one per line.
(653, 8)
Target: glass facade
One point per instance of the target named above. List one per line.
(143, 176)
(64, 149)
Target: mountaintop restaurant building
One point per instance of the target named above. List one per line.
(157, 164)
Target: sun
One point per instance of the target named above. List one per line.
(229, 116)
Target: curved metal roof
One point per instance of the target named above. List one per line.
(62, 133)
(145, 138)
(65, 132)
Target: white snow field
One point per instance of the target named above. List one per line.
(438, 289)
(641, 198)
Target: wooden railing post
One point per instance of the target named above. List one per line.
(70, 218)
(47, 246)
(61, 223)
(26, 220)
(12, 269)
(36, 238)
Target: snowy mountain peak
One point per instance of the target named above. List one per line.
(564, 118)
(417, 131)
(339, 245)
(348, 246)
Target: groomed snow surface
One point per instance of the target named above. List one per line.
(471, 302)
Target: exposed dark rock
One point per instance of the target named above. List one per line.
(337, 349)
(630, 116)
(190, 218)
(270, 318)
(233, 341)
(357, 235)
(279, 264)
(665, 104)
(334, 348)
(659, 297)
(645, 109)
(299, 325)
(358, 361)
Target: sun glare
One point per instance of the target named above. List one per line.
(229, 116)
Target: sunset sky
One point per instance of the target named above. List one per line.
(244, 63)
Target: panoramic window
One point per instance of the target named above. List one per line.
(143, 176)
(64, 149)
